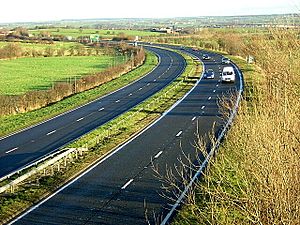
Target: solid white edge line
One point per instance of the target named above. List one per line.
(9, 151)
(211, 153)
(127, 184)
(104, 96)
(109, 155)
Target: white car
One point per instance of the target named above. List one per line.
(228, 74)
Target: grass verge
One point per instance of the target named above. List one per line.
(100, 143)
(255, 177)
(12, 123)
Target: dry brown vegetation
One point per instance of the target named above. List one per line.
(255, 178)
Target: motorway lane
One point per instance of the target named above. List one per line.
(25, 147)
(124, 189)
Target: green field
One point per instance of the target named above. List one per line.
(86, 32)
(21, 75)
(40, 46)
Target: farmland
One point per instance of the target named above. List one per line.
(20, 75)
(42, 46)
(86, 32)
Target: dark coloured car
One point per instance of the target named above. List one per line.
(206, 57)
(209, 74)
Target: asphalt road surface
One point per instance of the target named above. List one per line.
(25, 147)
(124, 188)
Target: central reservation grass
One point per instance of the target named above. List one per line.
(21, 75)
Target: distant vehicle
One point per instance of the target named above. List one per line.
(228, 74)
(209, 74)
(225, 60)
(206, 57)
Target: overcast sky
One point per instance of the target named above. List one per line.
(39, 10)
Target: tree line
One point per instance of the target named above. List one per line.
(13, 104)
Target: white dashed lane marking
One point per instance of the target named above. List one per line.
(52, 132)
(179, 133)
(80, 119)
(127, 184)
(158, 154)
(9, 151)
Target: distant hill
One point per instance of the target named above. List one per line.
(182, 22)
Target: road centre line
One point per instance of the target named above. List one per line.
(118, 101)
(130, 94)
(9, 151)
(127, 184)
(140, 89)
(203, 107)
(101, 109)
(214, 91)
(52, 132)
(80, 119)
(209, 98)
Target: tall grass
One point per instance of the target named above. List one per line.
(255, 178)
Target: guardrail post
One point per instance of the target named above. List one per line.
(76, 154)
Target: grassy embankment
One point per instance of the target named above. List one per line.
(13, 123)
(255, 177)
(120, 129)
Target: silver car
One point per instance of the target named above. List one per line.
(225, 60)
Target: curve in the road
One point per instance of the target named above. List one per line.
(124, 188)
(29, 145)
